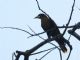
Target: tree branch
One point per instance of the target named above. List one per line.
(45, 54)
(16, 29)
(44, 51)
(69, 17)
(72, 31)
(29, 52)
(41, 9)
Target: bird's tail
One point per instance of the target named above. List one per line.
(63, 48)
(62, 44)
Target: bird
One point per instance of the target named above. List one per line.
(50, 27)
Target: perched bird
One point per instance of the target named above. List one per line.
(50, 27)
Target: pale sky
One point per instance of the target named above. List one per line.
(20, 13)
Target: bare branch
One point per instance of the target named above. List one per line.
(69, 37)
(29, 52)
(66, 26)
(44, 51)
(45, 54)
(69, 55)
(69, 17)
(41, 9)
(35, 33)
(17, 29)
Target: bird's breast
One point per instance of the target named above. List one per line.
(45, 24)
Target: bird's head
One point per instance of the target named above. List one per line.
(41, 16)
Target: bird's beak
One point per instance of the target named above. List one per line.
(36, 17)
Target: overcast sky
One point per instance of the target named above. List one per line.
(21, 13)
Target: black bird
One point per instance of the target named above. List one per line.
(52, 30)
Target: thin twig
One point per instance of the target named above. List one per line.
(41, 9)
(69, 55)
(49, 52)
(46, 54)
(69, 17)
(69, 37)
(43, 51)
(17, 29)
(35, 33)
(66, 26)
